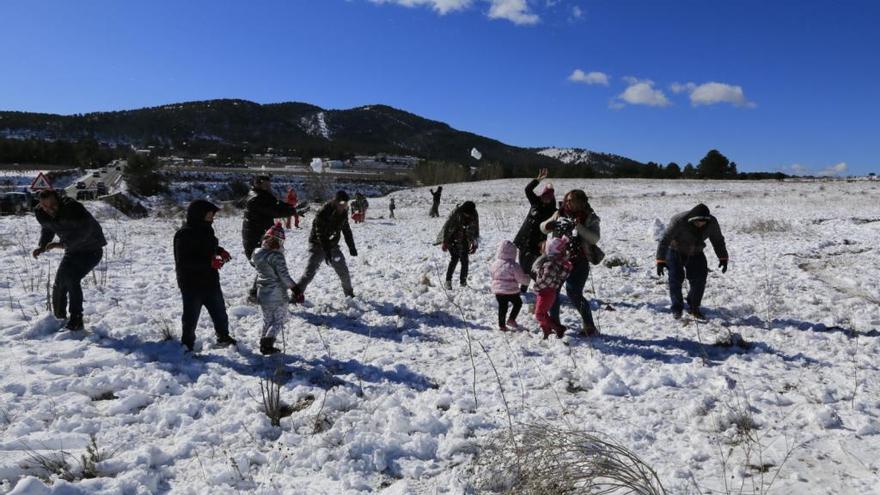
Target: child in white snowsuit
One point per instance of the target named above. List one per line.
(550, 271)
(273, 282)
(507, 277)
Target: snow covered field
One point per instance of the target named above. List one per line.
(381, 386)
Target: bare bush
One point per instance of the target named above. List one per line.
(65, 466)
(270, 392)
(552, 460)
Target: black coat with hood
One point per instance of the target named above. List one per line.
(260, 211)
(530, 237)
(75, 227)
(683, 236)
(195, 247)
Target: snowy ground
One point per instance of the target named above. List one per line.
(382, 385)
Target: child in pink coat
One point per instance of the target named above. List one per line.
(507, 276)
(550, 270)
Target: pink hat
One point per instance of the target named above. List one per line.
(548, 192)
(275, 231)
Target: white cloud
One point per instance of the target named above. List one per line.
(515, 11)
(577, 12)
(833, 170)
(640, 92)
(580, 76)
(829, 171)
(681, 88)
(712, 93)
(442, 7)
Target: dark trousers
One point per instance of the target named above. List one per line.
(503, 301)
(574, 289)
(526, 260)
(435, 209)
(457, 255)
(695, 269)
(193, 300)
(73, 268)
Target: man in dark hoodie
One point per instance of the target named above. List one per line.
(260, 211)
(681, 251)
(197, 259)
(460, 237)
(330, 223)
(83, 241)
(530, 237)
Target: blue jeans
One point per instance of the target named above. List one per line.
(574, 288)
(73, 268)
(193, 300)
(696, 270)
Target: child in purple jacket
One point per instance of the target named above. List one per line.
(507, 277)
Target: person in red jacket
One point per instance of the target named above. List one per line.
(291, 200)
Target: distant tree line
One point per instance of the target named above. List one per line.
(83, 153)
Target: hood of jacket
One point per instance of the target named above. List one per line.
(506, 251)
(699, 212)
(196, 211)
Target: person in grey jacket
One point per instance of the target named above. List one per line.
(82, 239)
(273, 282)
(681, 251)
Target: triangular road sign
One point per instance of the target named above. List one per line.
(40, 183)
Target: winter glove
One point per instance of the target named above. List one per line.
(445, 247)
(217, 262)
(723, 265)
(224, 254)
(661, 267)
(353, 251)
(473, 248)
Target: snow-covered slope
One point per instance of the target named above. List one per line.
(382, 384)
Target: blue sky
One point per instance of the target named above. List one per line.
(774, 85)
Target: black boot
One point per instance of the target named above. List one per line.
(225, 340)
(267, 346)
(75, 323)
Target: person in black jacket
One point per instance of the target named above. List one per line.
(529, 238)
(197, 259)
(83, 242)
(330, 223)
(261, 210)
(681, 250)
(435, 201)
(460, 237)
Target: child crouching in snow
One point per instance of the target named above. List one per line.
(273, 281)
(550, 271)
(507, 276)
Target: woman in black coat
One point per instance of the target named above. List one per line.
(529, 238)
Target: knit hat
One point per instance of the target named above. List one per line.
(548, 193)
(275, 231)
(259, 179)
(341, 196)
